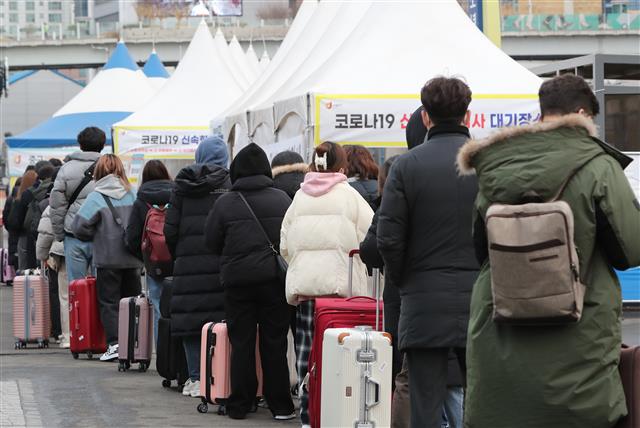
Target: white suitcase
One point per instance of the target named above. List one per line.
(356, 378)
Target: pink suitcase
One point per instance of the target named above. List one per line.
(31, 320)
(135, 332)
(215, 365)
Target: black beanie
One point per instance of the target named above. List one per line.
(416, 131)
(251, 160)
(286, 158)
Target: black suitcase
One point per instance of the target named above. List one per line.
(171, 362)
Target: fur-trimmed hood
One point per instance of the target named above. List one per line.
(296, 167)
(472, 147)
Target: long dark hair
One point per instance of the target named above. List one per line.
(155, 170)
(384, 173)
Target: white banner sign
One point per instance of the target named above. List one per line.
(381, 120)
(20, 158)
(295, 144)
(159, 143)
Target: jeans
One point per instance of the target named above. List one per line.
(155, 290)
(453, 405)
(78, 257)
(192, 352)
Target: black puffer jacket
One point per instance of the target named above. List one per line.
(156, 192)
(197, 292)
(246, 259)
(289, 177)
(424, 236)
(368, 189)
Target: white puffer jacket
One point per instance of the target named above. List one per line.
(327, 219)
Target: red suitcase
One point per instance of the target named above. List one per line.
(31, 321)
(338, 313)
(86, 331)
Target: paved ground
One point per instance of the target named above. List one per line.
(47, 388)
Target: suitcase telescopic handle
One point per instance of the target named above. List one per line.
(377, 291)
(352, 254)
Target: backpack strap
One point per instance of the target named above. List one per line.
(114, 213)
(88, 176)
(565, 183)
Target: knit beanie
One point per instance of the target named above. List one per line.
(251, 160)
(213, 150)
(286, 158)
(416, 131)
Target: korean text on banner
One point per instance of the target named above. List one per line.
(19, 158)
(161, 143)
(381, 120)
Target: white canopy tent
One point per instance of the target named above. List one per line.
(240, 60)
(362, 78)
(176, 119)
(252, 60)
(230, 62)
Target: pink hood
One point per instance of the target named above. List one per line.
(319, 183)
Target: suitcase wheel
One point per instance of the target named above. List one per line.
(123, 366)
(19, 345)
(203, 408)
(75, 355)
(90, 355)
(166, 383)
(143, 367)
(222, 410)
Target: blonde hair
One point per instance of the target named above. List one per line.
(111, 164)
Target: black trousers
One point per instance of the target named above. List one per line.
(113, 285)
(428, 383)
(54, 303)
(246, 308)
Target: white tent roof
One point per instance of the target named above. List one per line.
(240, 60)
(264, 60)
(252, 60)
(119, 87)
(398, 45)
(190, 97)
(229, 61)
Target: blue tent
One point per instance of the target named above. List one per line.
(118, 90)
(154, 67)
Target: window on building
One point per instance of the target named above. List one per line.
(55, 17)
(30, 5)
(30, 17)
(55, 5)
(13, 5)
(13, 17)
(81, 8)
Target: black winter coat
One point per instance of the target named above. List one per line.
(368, 189)
(289, 177)
(245, 257)
(156, 192)
(13, 235)
(17, 216)
(424, 236)
(198, 296)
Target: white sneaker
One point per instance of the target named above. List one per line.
(111, 354)
(187, 387)
(285, 417)
(65, 344)
(195, 389)
(306, 426)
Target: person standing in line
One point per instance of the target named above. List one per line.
(363, 173)
(566, 375)
(15, 221)
(243, 229)
(155, 191)
(288, 169)
(14, 236)
(102, 219)
(51, 252)
(327, 219)
(72, 181)
(424, 237)
(198, 295)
